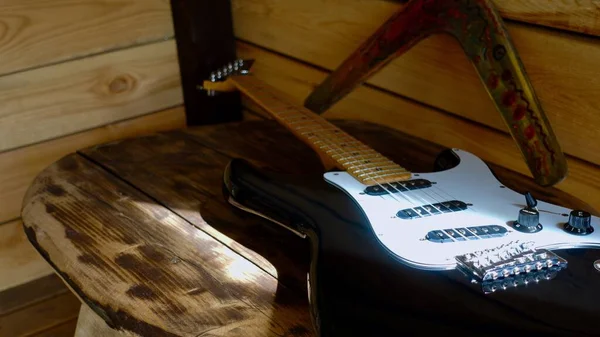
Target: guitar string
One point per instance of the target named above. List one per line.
(310, 122)
(433, 189)
(333, 149)
(304, 114)
(308, 116)
(471, 210)
(427, 204)
(369, 174)
(372, 175)
(340, 150)
(422, 199)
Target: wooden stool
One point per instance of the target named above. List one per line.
(140, 232)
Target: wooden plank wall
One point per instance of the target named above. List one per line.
(73, 73)
(433, 91)
(80, 72)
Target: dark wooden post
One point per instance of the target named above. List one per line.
(205, 41)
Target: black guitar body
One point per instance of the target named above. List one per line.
(358, 288)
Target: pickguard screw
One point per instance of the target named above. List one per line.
(597, 265)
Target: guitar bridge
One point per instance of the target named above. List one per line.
(510, 265)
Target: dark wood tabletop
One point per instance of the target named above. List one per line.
(140, 231)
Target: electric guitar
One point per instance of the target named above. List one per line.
(399, 253)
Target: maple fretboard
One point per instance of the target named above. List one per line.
(331, 143)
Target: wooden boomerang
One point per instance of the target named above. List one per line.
(481, 32)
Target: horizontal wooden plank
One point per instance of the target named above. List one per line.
(144, 268)
(19, 167)
(19, 257)
(65, 329)
(36, 32)
(436, 71)
(375, 106)
(53, 101)
(38, 290)
(581, 16)
(40, 316)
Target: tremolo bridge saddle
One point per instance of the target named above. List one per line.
(510, 265)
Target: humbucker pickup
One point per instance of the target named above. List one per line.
(399, 186)
(432, 209)
(509, 265)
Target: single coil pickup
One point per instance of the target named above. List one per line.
(466, 233)
(432, 209)
(399, 186)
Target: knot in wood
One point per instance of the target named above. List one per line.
(120, 84)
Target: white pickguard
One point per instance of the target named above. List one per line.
(471, 182)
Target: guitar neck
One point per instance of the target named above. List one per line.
(332, 144)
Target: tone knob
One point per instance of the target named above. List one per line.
(580, 223)
(528, 220)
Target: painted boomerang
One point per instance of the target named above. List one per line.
(482, 34)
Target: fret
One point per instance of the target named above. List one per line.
(376, 168)
(367, 158)
(361, 161)
(301, 123)
(359, 154)
(343, 154)
(381, 175)
(377, 172)
(392, 177)
(364, 160)
(322, 129)
(299, 117)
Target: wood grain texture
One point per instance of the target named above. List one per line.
(27, 294)
(368, 104)
(436, 71)
(170, 173)
(19, 167)
(41, 316)
(144, 269)
(120, 247)
(90, 324)
(35, 32)
(66, 329)
(19, 261)
(581, 16)
(45, 103)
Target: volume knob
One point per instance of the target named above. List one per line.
(580, 223)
